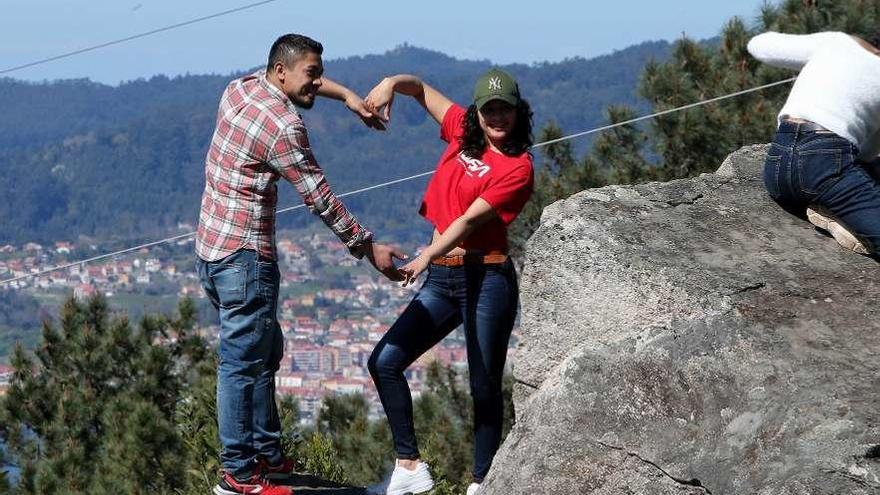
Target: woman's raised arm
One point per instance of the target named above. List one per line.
(381, 97)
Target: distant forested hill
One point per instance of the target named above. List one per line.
(120, 164)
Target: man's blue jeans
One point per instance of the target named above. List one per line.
(484, 298)
(820, 167)
(244, 289)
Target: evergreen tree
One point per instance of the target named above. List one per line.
(317, 455)
(362, 445)
(94, 410)
(616, 157)
(693, 141)
(444, 425)
(196, 419)
(619, 152)
(347, 447)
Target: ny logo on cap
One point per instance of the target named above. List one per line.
(495, 84)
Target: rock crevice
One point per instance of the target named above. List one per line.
(690, 482)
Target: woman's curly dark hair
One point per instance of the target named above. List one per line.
(473, 141)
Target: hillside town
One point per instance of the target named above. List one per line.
(332, 311)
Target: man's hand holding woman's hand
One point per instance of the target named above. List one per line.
(371, 119)
(382, 259)
(414, 268)
(380, 98)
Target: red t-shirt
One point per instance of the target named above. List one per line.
(503, 181)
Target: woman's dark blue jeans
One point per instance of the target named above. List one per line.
(484, 298)
(820, 167)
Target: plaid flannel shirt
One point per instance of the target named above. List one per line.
(260, 137)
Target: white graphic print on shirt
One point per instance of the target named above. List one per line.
(473, 165)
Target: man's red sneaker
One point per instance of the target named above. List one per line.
(282, 471)
(256, 485)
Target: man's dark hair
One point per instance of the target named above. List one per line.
(874, 39)
(290, 47)
(473, 140)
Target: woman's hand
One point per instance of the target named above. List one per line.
(413, 269)
(370, 118)
(380, 98)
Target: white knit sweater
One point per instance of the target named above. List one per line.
(838, 86)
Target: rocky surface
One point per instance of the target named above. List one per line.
(691, 337)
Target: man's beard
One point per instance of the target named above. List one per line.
(304, 103)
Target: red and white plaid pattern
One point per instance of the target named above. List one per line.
(259, 138)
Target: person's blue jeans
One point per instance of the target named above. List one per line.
(820, 167)
(244, 289)
(484, 298)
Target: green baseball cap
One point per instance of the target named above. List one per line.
(495, 85)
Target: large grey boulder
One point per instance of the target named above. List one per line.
(692, 337)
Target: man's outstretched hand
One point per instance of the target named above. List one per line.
(382, 259)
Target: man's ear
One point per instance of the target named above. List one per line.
(278, 68)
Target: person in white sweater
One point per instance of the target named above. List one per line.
(828, 130)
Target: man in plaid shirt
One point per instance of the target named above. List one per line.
(260, 137)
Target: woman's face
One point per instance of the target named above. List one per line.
(497, 120)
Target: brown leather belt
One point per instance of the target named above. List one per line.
(471, 259)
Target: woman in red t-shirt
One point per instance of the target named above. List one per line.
(482, 181)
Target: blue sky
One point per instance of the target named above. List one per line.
(503, 32)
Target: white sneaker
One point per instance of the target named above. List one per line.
(472, 488)
(403, 481)
(840, 234)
